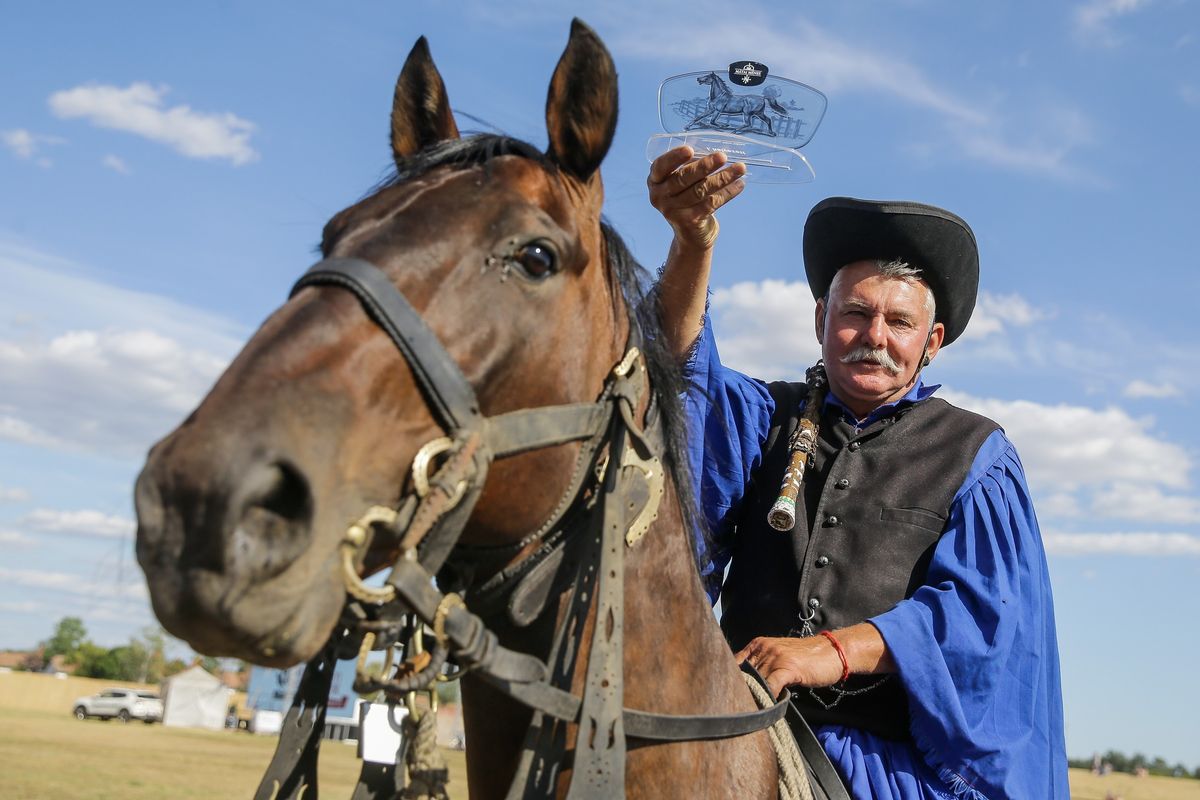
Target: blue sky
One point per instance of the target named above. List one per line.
(165, 173)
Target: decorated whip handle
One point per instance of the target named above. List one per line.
(782, 516)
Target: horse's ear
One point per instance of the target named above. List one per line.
(421, 113)
(581, 107)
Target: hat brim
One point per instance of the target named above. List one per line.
(843, 230)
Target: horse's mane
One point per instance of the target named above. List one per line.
(629, 282)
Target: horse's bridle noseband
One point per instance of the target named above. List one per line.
(611, 500)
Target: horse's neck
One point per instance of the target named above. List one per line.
(718, 91)
(676, 659)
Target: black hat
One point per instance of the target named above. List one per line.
(842, 230)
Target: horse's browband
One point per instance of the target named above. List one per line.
(433, 523)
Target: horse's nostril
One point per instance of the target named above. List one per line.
(275, 520)
(280, 490)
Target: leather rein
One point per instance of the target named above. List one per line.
(610, 502)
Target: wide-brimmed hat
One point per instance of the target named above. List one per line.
(842, 230)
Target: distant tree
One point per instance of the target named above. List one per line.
(1119, 761)
(69, 635)
(95, 661)
(147, 657)
(210, 665)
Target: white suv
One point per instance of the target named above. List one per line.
(124, 704)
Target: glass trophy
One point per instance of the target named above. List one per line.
(754, 117)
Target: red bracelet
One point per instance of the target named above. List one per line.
(841, 654)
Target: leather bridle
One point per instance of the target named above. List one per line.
(610, 502)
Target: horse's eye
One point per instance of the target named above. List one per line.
(536, 259)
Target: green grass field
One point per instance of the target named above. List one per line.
(46, 755)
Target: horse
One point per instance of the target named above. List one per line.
(723, 102)
(500, 254)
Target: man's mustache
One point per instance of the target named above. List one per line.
(871, 355)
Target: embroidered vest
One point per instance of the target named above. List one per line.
(874, 505)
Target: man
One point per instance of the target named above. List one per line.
(909, 608)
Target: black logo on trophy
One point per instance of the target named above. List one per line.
(747, 73)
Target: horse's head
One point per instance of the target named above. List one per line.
(710, 79)
(500, 249)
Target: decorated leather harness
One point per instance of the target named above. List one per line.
(609, 503)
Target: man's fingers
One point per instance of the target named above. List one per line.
(694, 173)
(668, 162)
(776, 682)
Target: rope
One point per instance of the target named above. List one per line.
(427, 769)
(793, 777)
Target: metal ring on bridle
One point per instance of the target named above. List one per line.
(422, 462)
(355, 538)
(448, 602)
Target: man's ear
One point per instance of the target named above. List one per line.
(819, 316)
(935, 341)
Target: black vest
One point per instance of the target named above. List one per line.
(874, 504)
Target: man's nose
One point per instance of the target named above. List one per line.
(876, 332)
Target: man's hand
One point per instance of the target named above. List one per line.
(810, 661)
(687, 193)
(813, 661)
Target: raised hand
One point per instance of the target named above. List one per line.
(688, 192)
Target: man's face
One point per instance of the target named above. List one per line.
(870, 319)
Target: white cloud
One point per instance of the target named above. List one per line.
(88, 366)
(766, 328)
(115, 163)
(1092, 20)
(79, 523)
(43, 293)
(1128, 544)
(1145, 503)
(138, 109)
(10, 494)
(70, 583)
(15, 539)
(1065, 447)
(995, 313)
(27, 146)
(1140, 388)
(112, 390)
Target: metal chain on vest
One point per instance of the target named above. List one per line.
(801, 447)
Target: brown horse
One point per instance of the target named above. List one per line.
(502, 252)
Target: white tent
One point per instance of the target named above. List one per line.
(195, 699)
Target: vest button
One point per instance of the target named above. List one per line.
(814, 602)
(843, 483)
(853, 447)
(823, 561)
(832, 521)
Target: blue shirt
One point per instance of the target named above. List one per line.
(975, 646)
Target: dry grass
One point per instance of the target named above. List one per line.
(45, 755)
(1086, 786)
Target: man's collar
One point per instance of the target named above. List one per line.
(916, 394)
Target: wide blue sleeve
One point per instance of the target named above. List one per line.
(728, 417)
(976, 646)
